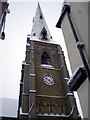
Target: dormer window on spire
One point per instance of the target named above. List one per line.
(41, 16)
(44, 33)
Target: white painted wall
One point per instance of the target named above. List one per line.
(79, 15)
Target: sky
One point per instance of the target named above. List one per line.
(12, 49)
(18, 26)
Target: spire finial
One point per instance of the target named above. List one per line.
(38, 4)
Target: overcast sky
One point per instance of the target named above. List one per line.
(12, 49)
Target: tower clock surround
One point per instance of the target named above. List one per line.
(48, 79)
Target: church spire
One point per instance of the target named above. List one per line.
(40, 29)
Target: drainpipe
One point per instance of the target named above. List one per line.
(66, 10)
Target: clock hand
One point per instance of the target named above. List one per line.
(49, 79)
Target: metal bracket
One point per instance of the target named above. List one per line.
(79, 44)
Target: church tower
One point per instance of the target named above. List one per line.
(43, 87)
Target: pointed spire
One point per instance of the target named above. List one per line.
(39, 5)
(40, 29)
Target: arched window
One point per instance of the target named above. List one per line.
(45, 59)
(44, 33)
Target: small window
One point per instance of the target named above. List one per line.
(34, 34)
(44, 33)
(41, 16)
(45, 59)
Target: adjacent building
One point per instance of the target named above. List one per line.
(3, 12)
(8, 109)
(74, 22)
(44, 93)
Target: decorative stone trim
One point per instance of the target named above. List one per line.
(32, 91)
(66, 79)
(32, 48)
(21, 113)
(33, 75)
(48, 68)
(25, 94)
(60, 53)
(21, 83)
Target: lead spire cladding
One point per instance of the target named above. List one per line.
(40, 29)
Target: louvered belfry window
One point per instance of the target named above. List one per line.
(45, 59)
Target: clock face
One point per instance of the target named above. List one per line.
(48, 79)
